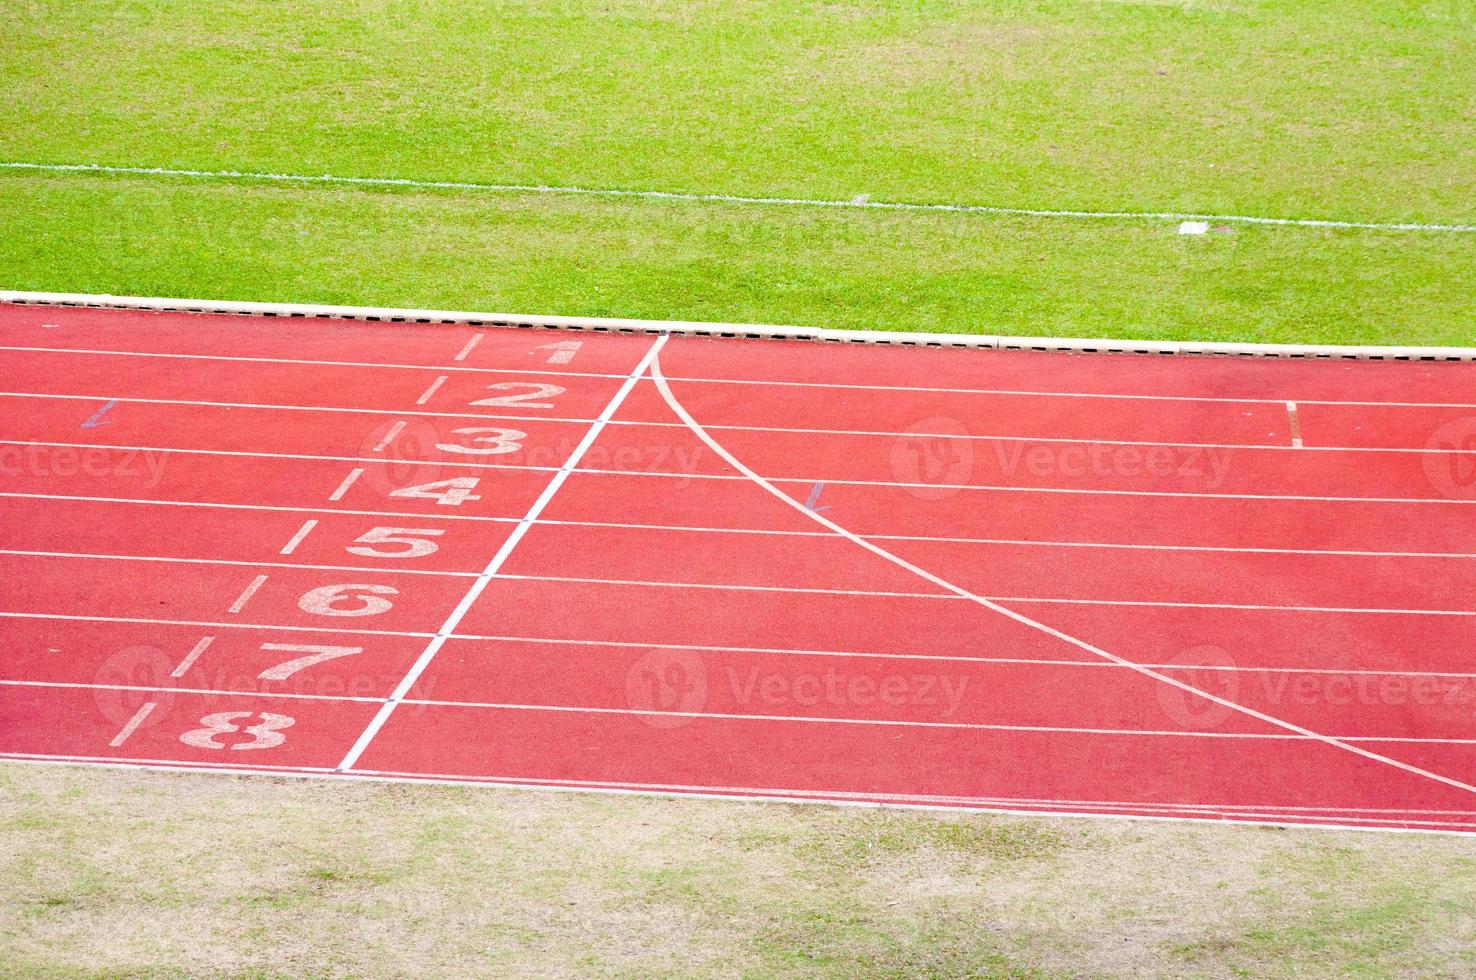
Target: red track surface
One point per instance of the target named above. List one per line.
(1053, 583)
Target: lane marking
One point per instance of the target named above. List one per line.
(389, 437)
(699, 529)
(1303, 818)
(1024, 620)
(1296, 427)
(96, 420)
(245, 597)
(274, 508)
(73, 617)
(434, 387)
(778, 651)
(476, 339)
(805, 481)
(143, 712)
(258, 359)
(348, 481)
(1084, 441)
(953, 597)
(499, 559)
(232, 562)
(743, 381)
(733, 716)
(302, 532)
(861, 202)
(192, 656)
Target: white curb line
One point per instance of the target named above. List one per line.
(738, 330)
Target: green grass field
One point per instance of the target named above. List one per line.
(1360, 111)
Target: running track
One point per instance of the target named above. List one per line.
(1103, 584)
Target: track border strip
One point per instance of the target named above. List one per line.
(740, 331)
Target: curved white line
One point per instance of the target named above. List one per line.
(464, 185)
(880, 552)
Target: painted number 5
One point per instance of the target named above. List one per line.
(411, 542)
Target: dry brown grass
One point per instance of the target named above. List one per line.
(123, 873)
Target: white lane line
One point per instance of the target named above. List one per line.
(249, 454)
(264, 507)
(1296, 426)
(807, 482)
(499, 559)
(476, 339)
(245, 597)
(1300, 818)
(766, 532)
(905, 723)
(297, 539)
(188, 690)
(778, 651)
(1024, 620)
(348, 481)
(192, 656)
(298, 360)
(980, 661)
(751, 382)
(860, 202)
(138, 719)
(953, 597)
(731, 716)
(434, 387)
(233, 563)
(1084, 441)
(208, 624)
(390, 436)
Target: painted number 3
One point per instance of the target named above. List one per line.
(264, 735)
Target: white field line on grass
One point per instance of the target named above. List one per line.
(947, 586)
(708, 198)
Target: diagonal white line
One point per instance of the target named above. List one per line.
(941, 583)
(498, 560)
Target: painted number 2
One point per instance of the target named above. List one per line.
(265, 734)
(527, 399)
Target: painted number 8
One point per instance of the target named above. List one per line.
(265, 735)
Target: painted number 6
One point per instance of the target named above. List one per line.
(348, 600)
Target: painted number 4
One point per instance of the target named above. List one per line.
(265, 734)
